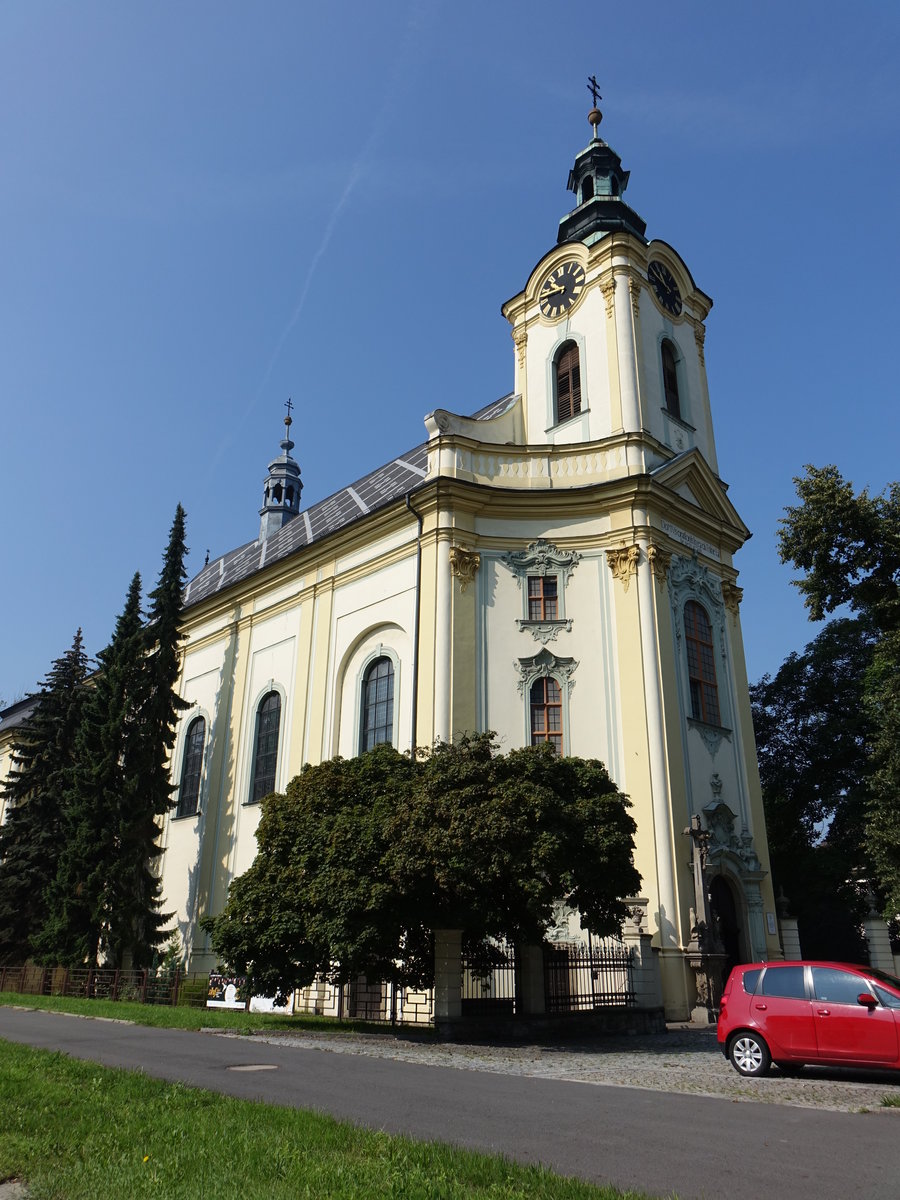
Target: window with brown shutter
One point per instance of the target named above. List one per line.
(670, 380)
(568, 382)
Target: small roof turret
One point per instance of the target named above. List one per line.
(281, 498)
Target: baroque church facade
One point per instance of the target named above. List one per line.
(557, 567)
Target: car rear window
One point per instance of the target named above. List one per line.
(784, 981)
(750, 980)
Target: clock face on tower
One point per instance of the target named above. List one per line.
(561, 288)
(663, 283)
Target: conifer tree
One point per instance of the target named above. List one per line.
(139, 923)
(81, 916)
(33, 837)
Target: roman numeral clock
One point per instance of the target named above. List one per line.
(561, 289)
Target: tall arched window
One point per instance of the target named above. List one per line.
(191, 769)
(546, 713)
(701, 664)
(670, 379)
(376, 724)
(265, 747)
(567, 382)
(587, 188)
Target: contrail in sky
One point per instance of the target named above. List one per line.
(417, 21)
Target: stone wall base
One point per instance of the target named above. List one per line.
(541, 1028)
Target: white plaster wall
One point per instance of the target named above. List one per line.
(183, 837)
(272, 665)
(593, 714)
(587, 326)
(377, 611)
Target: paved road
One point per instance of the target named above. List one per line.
(698, 1146)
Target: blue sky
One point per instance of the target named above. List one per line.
(208, 208)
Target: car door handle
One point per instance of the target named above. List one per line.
(824, 1012)
(762, 1007)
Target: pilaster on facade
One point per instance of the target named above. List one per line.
(732, 596)
(660, 561)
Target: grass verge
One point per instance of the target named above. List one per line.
(77, 1131)
(164, 1016)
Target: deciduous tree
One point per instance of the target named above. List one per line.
(847, 544)
(362, 859)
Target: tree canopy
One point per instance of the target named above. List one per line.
(847, 544)
(33, 836)
(362, 859)
(813, 739)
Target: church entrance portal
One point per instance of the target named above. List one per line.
(724, 913)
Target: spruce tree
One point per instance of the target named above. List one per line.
(81, 917)
(139, 925)
(33, 837)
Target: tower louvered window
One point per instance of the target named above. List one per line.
(701, 664)
(376, 726)
(191, 769)
(568, 382)
(265, 747)
(670, 380)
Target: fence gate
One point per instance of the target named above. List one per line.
(579, 977)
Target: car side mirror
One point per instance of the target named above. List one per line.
(867, 999)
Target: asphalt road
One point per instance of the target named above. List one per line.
(696, 1146)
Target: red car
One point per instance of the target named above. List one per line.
(792, 1013)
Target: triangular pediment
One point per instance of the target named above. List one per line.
(689, 476)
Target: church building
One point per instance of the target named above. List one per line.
(555, 565)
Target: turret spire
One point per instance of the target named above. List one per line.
(598, 181)
(281, 498)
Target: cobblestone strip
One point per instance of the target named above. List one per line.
(682, 1060)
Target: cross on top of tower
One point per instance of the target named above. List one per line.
(288, 404)
(594, 88)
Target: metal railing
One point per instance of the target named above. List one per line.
(580, 977)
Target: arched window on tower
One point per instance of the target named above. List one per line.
(587, 188)
(265, 747)
(701, 664)
(546, 713)
(670, 379)
(376, 723)
(191, 769)
(567, 382)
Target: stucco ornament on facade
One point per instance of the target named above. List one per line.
(543, 664)
(520, 338)
(660, 560)
(623, 562)
(700, 338)
(543, 557)
(732, 596)
(634, 289)
(463, 565)
(608, 288)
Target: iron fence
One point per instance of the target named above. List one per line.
(100, 983)
(489, 984)
(580, 977)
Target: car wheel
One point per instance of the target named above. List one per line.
(749, 1054)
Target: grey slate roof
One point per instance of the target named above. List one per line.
(381, 487)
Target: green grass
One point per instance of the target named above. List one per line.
(890, 1101)
(164, 1016)
(76, 1131)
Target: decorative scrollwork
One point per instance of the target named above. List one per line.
(623, 562)
(463, 565)
(660, 560)
(732, 595)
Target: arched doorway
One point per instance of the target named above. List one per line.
(725, 917)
